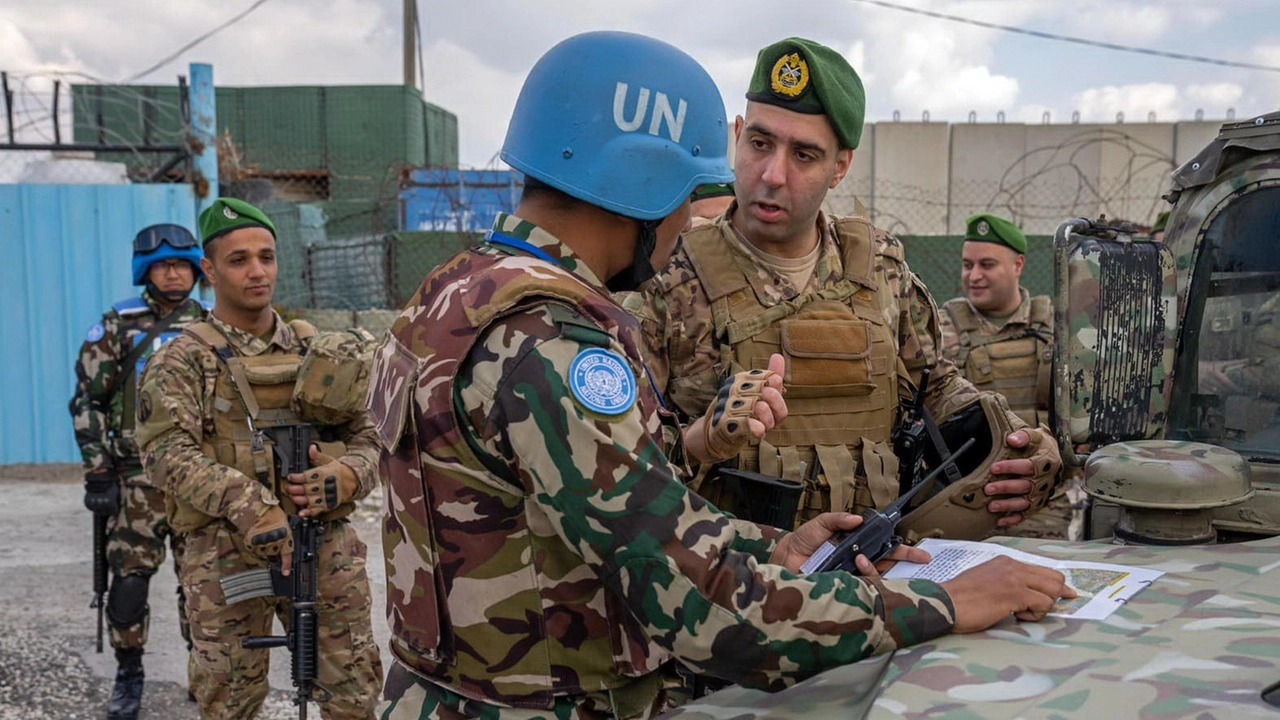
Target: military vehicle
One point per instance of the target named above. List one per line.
(1197, 360)
(1167, 391)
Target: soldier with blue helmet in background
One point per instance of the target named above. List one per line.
(166, 263)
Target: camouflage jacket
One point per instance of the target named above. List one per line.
(675, 315)
(171, 428)
(98, 418)
(1014, 358)
(558, 560)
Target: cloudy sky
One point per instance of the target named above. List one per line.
(477, 52)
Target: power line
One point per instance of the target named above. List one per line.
(1070, 39)
(197, 41)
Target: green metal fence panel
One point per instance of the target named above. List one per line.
(441, 134)
(416, 253)
(283, 128)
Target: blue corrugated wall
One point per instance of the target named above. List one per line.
(64, 258)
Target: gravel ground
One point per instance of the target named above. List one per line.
(48, 666)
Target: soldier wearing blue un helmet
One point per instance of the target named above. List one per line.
(166, 264)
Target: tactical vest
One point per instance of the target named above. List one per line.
(1016, 362)
(842, 371)
(133, 313)
(243, 394)
(441, 571)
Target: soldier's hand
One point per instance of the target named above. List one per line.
(902, 553)
(262, 524)
(1011, 497)
(270, 536)
(328, 484)
(796, 546)
(986, 594)
(748, 405)
(102, 493)
(794, 549)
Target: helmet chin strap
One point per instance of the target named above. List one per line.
(173, 297)
(640, 269)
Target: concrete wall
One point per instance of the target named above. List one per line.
(925, 178)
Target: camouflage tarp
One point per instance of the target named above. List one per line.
(1201, 642)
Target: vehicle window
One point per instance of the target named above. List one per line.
(1236, 341)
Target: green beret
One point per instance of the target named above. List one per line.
(227, 214)
(712, 190)
(804, 76)
(1161, 220)
(995, 229)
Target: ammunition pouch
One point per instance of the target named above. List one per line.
(333, 380)
(959, 510)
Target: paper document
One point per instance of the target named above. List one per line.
(1102, 588)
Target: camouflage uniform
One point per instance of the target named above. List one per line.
(104, 428)
(870, 328)
(178, 408)
(544, 559)
(1014, 359)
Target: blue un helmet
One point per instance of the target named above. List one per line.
(161, 242)
(621, 121)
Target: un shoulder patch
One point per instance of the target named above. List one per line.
(602, 381)
(95, 333)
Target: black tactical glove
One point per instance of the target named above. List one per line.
(102, 492)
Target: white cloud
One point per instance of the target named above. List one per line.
(1101, 104)
(945, 68)
(1214, 97)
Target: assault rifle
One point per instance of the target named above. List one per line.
(877, 535)
(292, 444)
(99, 569)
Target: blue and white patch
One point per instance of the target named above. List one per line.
(602, 381)
(95, 333)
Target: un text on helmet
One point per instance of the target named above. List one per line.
(661, 111)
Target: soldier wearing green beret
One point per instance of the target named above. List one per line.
(1001, 339)
(213, 407)
(834, 295)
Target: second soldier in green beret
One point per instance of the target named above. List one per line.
(1001, 339)
(212, 405)
(774, 274)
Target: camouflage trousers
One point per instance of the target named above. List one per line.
(229, 682)
(409, 696)
(1061, 519)
(136, 546)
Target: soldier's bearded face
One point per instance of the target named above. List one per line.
(989, 276)
(241, 266)
(784, 164)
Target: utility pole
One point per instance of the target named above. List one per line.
(409, 35)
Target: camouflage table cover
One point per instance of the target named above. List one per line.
(1200, 642)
